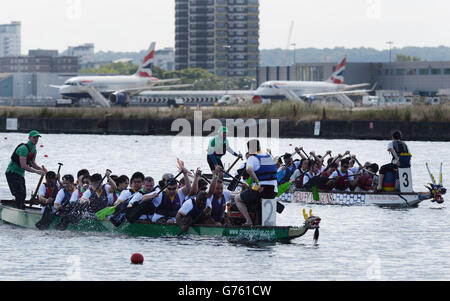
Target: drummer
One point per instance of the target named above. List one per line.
(217, 148)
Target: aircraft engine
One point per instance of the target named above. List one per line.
(119, 98)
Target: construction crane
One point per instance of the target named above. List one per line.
(286, 57)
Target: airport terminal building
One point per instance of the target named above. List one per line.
(421, 78)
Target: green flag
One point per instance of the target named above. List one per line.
(315, 194)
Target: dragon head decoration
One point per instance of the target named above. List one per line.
(311, 221)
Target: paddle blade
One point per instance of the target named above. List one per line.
(315, 194)
(102, 214)
(316, 236)
(283, 188)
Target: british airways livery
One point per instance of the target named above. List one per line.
(107, 90)
(310, 90)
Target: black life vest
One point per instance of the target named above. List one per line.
(218, 209)
(96, 202)
(15, 157)
(169, 207)
(400, 147)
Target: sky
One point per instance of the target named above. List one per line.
(130, 25)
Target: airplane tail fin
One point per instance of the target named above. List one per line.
(338, 75)
(145, 69)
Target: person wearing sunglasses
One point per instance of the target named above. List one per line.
(168, 202)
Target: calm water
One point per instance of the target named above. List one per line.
(356, 243)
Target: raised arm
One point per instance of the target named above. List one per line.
(215, 180)
(194, 188)
(299, 151)
(187, 182)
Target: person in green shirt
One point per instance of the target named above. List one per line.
(23, 159)
(217, 148)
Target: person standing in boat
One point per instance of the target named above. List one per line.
(217, 148)
(395, 148)
(64, 195)
(48, 190)
(171, 199)
(263, 171)
(23, 159)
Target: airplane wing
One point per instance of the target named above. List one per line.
(349, 87)
(351, 92)
(167, 81)
(134, 91)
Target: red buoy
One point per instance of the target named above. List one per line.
(42, 145)
(137, 258)
(45, 156)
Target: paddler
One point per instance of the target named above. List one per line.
(263, 171)
(194, 211)
(135, 185)
(84, 181)
(23, 159)
(98, 195)
(287, 170)
(217, 148)
(48, 190)
(218, 197)
(168, 202)
(64, 195)
(147, 211)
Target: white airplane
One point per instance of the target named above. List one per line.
(310, 90)
(107, 90)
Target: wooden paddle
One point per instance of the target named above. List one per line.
(34, 195)
(235, 162)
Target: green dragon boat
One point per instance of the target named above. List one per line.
(29, 217)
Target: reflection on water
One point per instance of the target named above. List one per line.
(356, 243)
